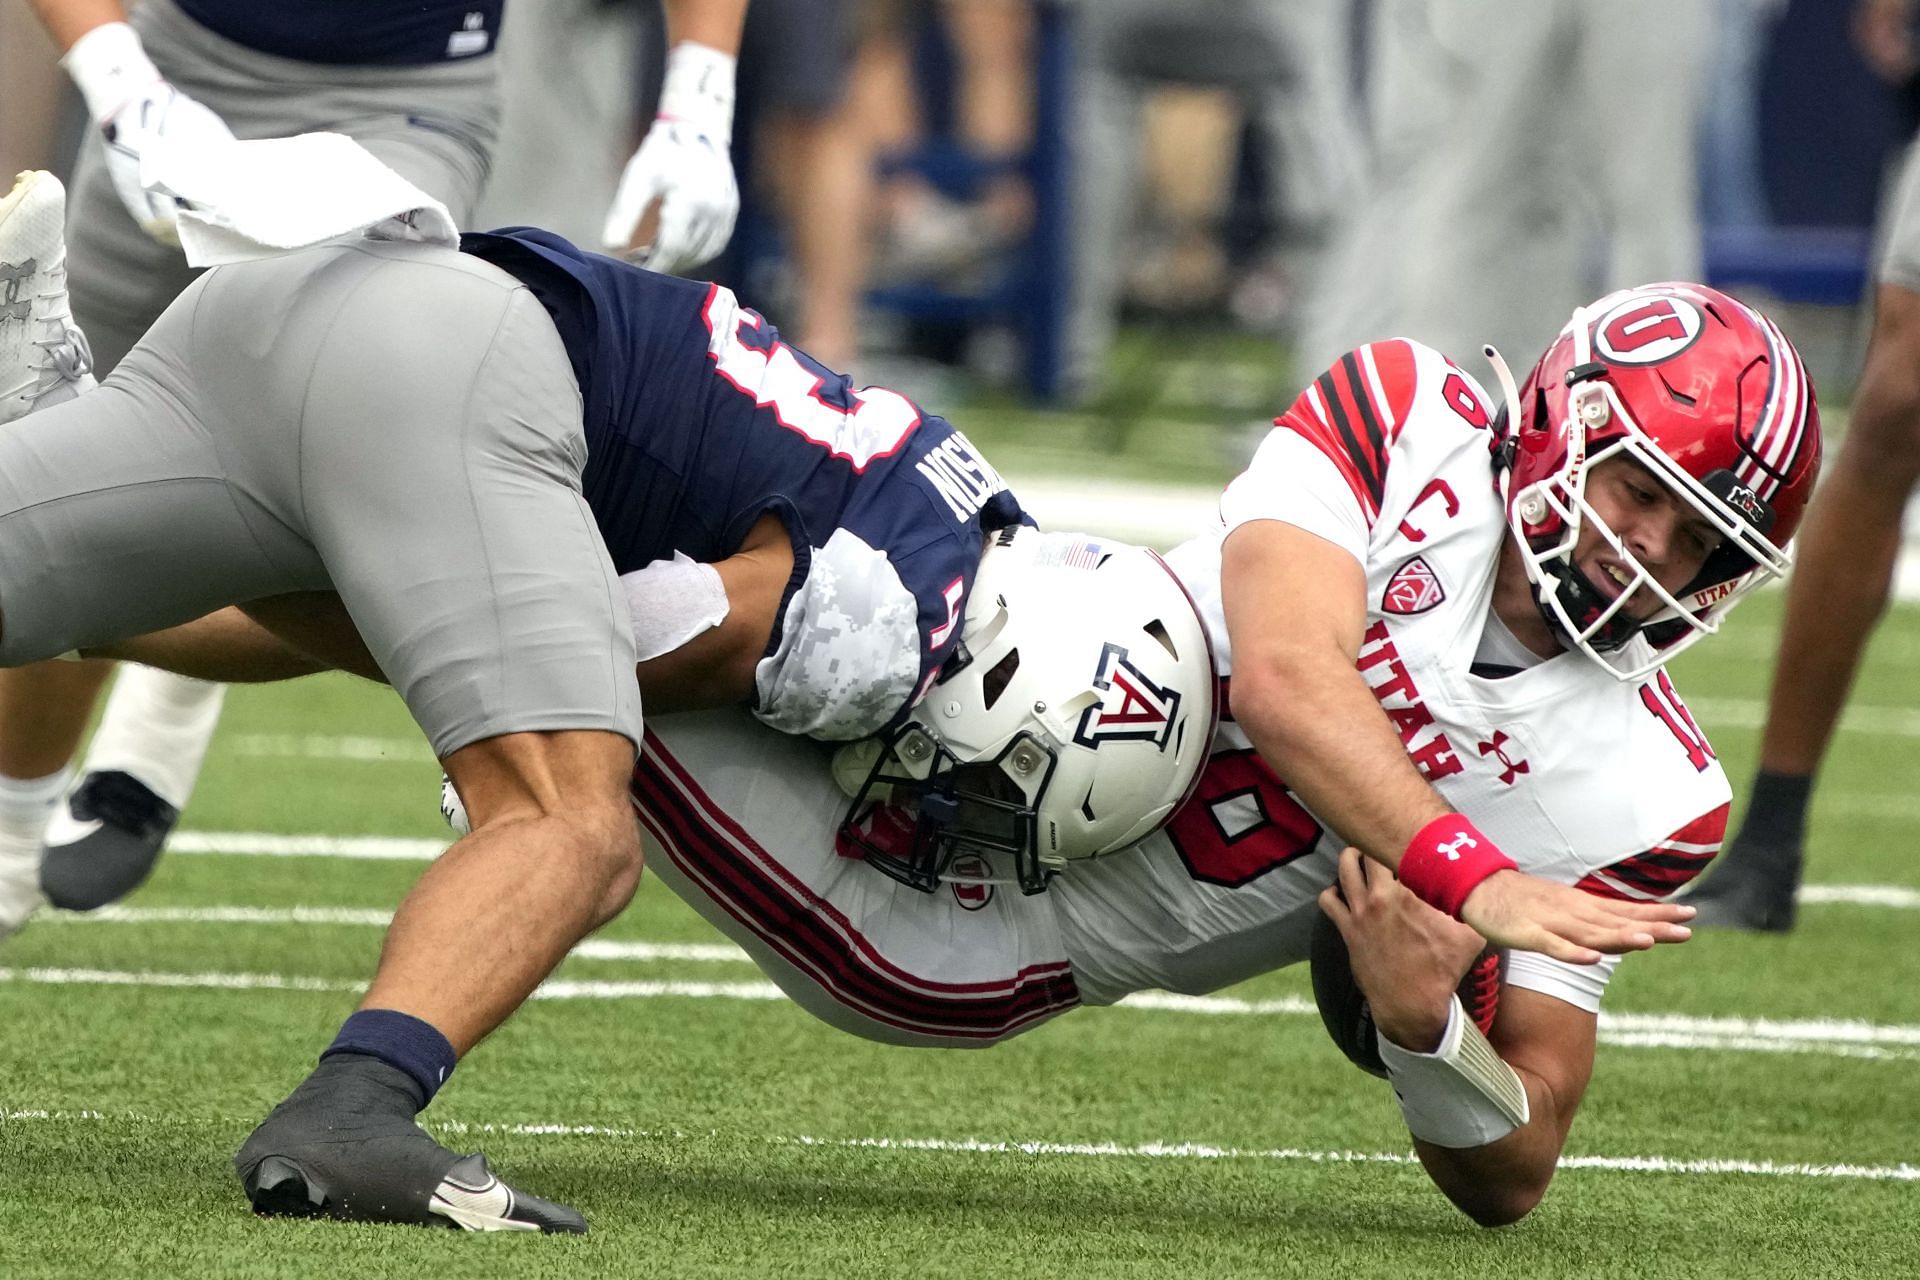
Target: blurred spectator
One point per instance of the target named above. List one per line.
(570, 111)
(823, 78)
(1527, 156)
(931, 233)
(836, 100)
(31, 125)
(1732, 188)
(1283, 61)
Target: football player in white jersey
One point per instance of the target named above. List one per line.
(1438, 634)
(1421, 632)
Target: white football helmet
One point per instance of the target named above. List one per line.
(1071, 722)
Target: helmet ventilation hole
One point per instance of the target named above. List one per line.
(1158, 631)
(995, 682)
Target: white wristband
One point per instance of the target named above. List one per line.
(1463, 1094)
(110, 67)
(698, 90)
(671, 602)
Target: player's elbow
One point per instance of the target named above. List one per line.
(1274, 704)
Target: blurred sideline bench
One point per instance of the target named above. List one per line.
(1823, 266)
(1813, 265)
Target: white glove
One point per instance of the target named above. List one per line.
(685, 163)
(139, 114)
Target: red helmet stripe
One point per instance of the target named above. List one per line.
(1783, 415)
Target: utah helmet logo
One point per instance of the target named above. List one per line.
(1135, 708)
(1413, 588)
(1647, 328)
(970, 878)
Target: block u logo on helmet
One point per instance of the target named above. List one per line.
(1647, 329)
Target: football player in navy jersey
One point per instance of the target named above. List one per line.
(416, 85)
(454, 470)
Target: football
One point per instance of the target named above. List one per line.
(1344, 1011)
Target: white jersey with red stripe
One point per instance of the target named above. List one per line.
(1579, 777)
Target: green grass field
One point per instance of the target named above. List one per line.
(1756, 1108)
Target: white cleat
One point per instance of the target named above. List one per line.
(44, 358)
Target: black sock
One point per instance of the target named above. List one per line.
(403, 1042)
(1776, 823)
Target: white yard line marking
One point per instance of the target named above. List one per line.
(318, 746)
(147, 978)
(591, 949)
(1827, 1037)
(1698, 1166)
(1751, 713)
(273, 845)
(1713, 713)
(1861, 895)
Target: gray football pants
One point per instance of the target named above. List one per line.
(396, 423)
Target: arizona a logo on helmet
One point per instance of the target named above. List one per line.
(1135, 709)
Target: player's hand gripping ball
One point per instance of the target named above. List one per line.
(1343, 1007)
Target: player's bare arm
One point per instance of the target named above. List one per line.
(714, 23)
(67, 20)
(716, 667)
(1295, 609)
(1407, 960)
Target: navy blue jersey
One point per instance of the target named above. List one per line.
(355, 32)
(699, 418)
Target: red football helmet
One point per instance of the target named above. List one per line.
(1708, 395)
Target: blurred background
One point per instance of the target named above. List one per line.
(1114, 236)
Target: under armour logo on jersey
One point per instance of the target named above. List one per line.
(1510, 769)
(1453, 847)
(1413, 588)
(1135, 708)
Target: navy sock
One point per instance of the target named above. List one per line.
(401, 1041)
(1776, 820)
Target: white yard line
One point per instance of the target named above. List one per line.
(272, 845)
(1696, 1166)
(1826, 1037)
(317, 746)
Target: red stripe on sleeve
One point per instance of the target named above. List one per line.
(1394, 362)
(1301, 421)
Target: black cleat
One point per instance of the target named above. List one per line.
(345, 1145)
(105, 844)
(1754, 891)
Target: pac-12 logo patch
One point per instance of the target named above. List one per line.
(1413, 588)
(1135, 708)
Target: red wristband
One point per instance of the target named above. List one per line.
(1447, 860)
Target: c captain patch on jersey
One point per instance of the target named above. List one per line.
(1135, 710)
